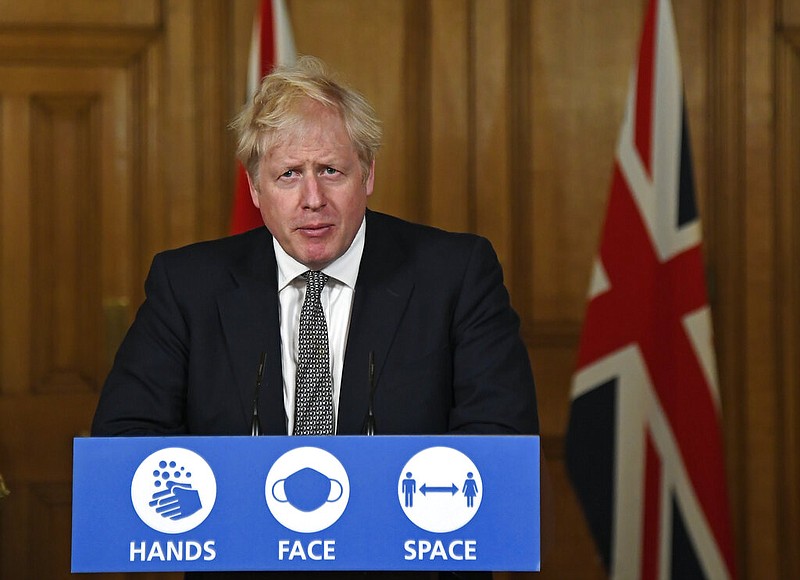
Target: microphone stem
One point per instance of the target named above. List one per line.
(370, 428)
(255, 424)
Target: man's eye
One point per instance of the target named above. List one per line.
(330, 171)
(288, 173)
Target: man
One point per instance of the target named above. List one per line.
(419, 332)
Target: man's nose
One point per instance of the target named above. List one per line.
(313, 192)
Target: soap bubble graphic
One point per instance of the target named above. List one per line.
(163, 474)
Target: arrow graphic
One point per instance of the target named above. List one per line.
(452, 490)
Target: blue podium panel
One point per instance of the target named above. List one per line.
(306, 503)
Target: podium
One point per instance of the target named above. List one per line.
(156, 504)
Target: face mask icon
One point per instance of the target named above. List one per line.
(307, 489)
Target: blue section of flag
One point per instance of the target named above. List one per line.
(590, 450)
(684, 563)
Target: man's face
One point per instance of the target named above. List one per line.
(310, 189)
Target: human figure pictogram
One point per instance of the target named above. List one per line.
(470, 489)
(409, 488)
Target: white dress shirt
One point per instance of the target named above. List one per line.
(337, 303)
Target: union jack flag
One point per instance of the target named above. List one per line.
(644, 444)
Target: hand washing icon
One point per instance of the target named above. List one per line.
(173, 490)
(307, 489)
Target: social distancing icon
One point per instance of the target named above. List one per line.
(440, 489)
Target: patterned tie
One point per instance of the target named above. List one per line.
(313, 411)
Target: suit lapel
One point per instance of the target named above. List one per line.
(383, 289)
(249, 317)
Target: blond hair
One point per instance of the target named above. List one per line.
(278, 106)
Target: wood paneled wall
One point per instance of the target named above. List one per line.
(500, 117)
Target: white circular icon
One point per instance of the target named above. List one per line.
(173, 490)
(307, 489)
(440, 489)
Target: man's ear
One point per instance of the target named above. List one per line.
(253, 190)
(370, 183)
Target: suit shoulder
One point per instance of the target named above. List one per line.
(222, 250)
(412, 232)
(432, 253)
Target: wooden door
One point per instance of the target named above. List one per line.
(65, 246)
(62, 145)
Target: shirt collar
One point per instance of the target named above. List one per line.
(344, 269)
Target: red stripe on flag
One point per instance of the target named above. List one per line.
(268, 56)
(644, 90)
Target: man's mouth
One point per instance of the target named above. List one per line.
(314, 230)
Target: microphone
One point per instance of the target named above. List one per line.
(255, 424)
(369, 424)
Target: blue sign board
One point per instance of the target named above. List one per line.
(156, 504)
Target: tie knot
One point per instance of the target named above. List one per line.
(316, 280)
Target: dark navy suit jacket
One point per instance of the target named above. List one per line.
(430, 305)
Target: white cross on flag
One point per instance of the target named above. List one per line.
(644, 442)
